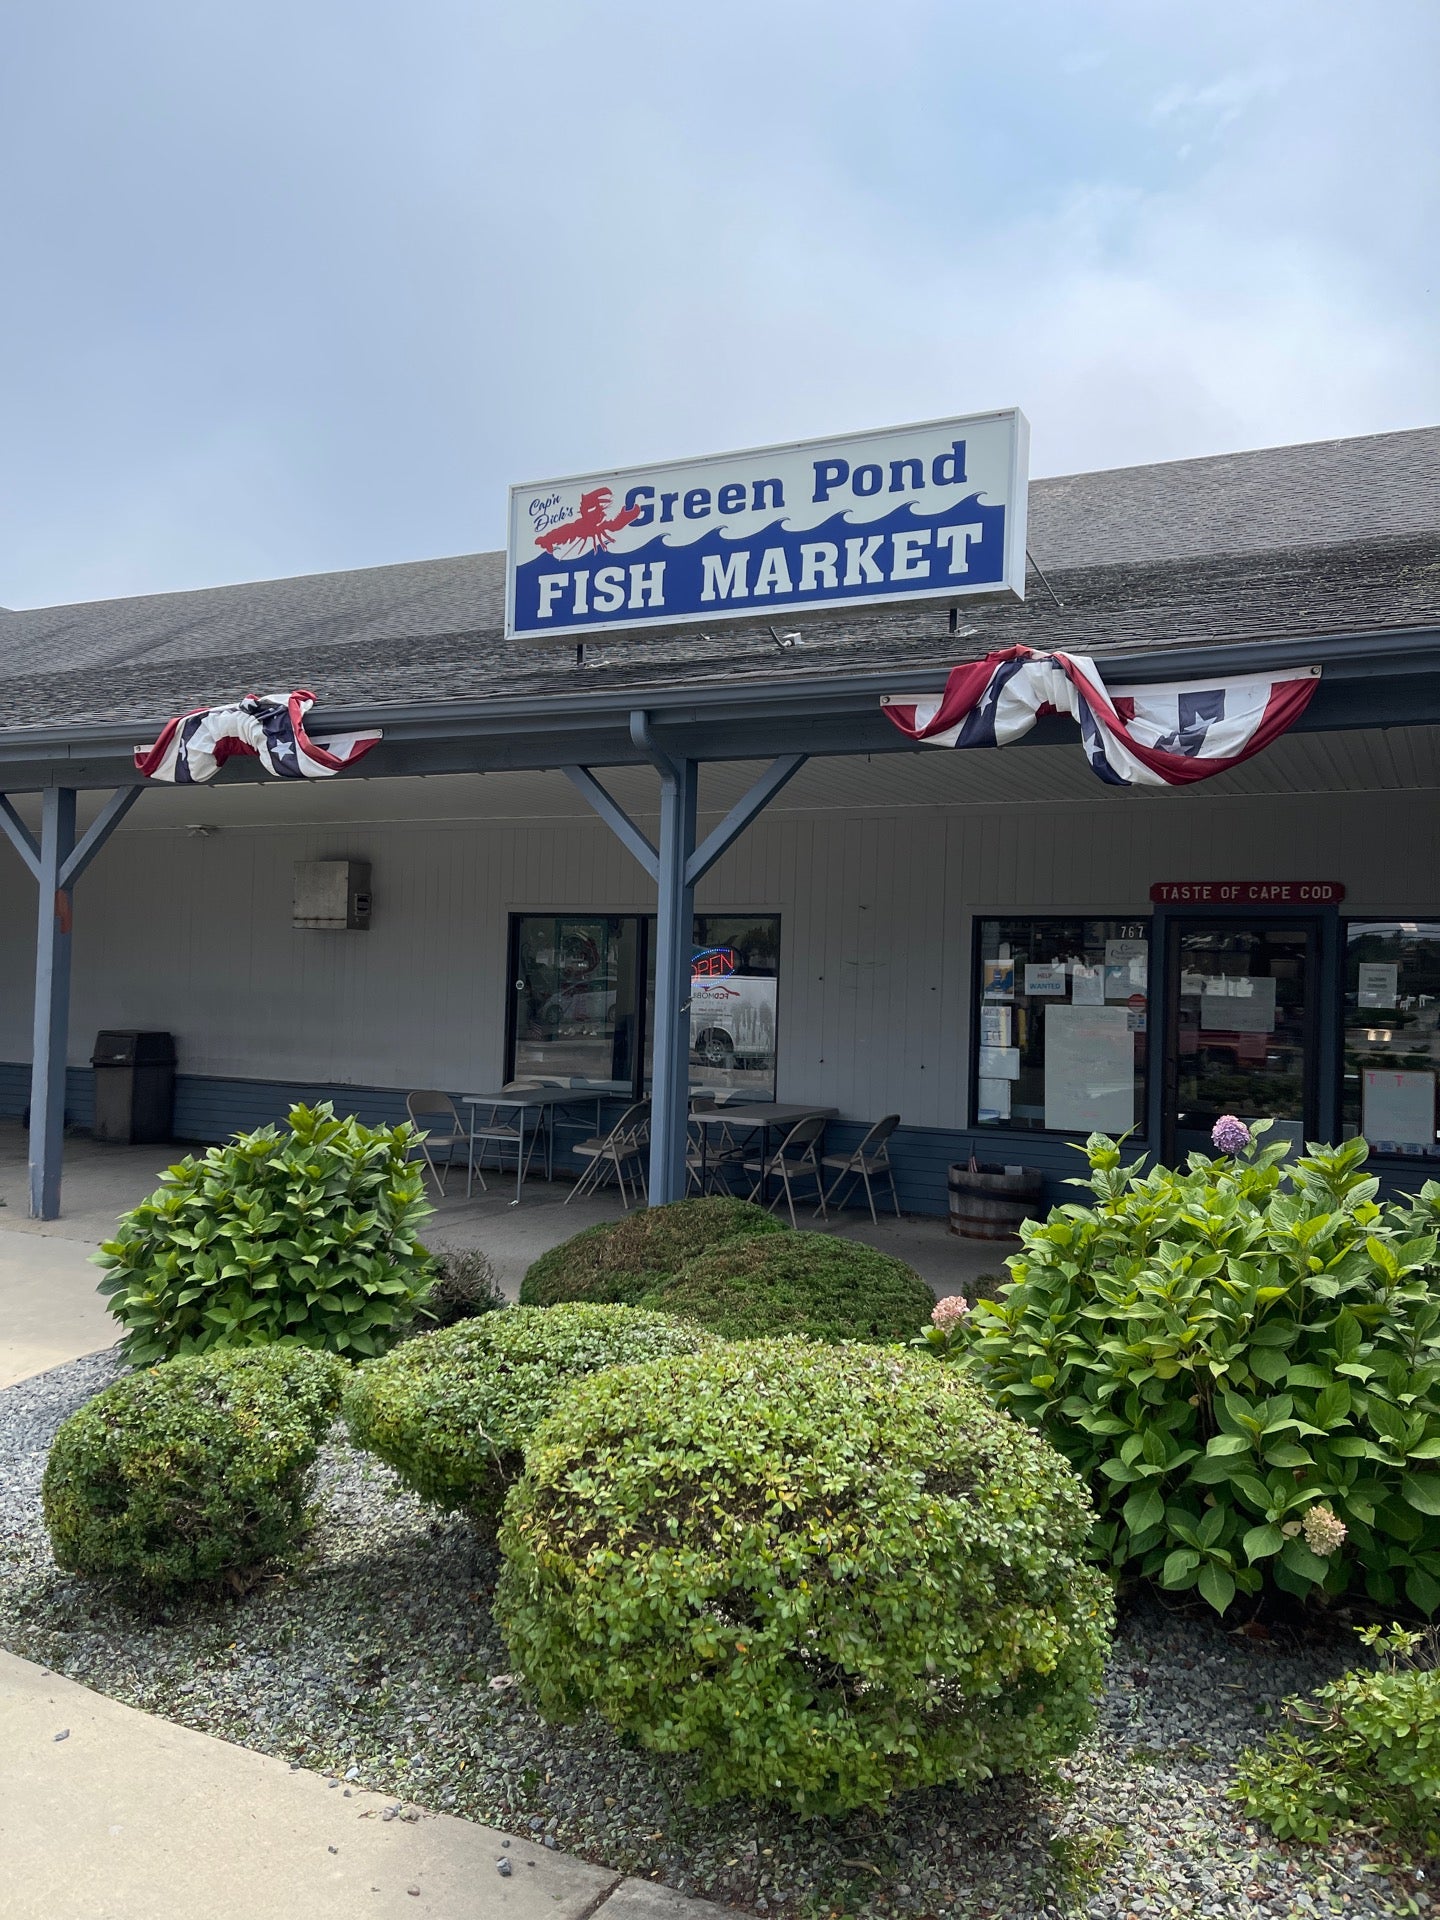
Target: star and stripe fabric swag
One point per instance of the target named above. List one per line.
(1154, 736)
(268, 727)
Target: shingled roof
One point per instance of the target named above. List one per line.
(1330, 537)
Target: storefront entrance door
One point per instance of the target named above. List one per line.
(1241, 998)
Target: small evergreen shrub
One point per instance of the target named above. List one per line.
(464, 1287)
(451, 1413)
(1368, 1754)
(808, 1283)
(192, 1471)
(831, 1573)
(1243, 1363)
(622, 1260)
(305, 1234)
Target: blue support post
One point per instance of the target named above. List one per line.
(674, 946)
(52, 1002)
(675, 869)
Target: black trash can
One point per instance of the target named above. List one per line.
(134, 1087)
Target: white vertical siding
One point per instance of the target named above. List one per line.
(194, 934)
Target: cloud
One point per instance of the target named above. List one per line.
(287, 314)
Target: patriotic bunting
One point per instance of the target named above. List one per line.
(268, 727)
(1160, 736)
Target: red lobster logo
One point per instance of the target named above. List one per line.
(592, 529)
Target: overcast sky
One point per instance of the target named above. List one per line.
(298, 286)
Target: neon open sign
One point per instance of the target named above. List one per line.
(713, 963)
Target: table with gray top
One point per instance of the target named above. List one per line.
(764, 1117)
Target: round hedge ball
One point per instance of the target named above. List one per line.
(451, 1411)
(621, 1260)
(831, 1573)
(808, 1283)
(192, 1471)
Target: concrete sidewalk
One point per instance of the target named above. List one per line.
(49, 1309)
(109, 1814)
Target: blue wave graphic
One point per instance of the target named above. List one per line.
(922, 564)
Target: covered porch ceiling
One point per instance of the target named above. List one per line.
(1363, 760)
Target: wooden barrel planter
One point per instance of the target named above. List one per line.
(987, 1203)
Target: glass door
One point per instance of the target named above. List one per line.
(1241, 999)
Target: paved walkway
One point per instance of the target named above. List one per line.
(109, 1814)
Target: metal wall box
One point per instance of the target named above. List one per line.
(332, 896)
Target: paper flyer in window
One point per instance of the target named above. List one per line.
(1121, 953)
(1124, 977)
(995, 1026)
(1089, 1069)
(1087, 986)
(1047, 977)
(999, 1063)
(1378, 984)
(1398, 1109)
(994, 1100)
(997, 979)
(1237, 1003)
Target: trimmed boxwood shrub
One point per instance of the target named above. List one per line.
(831, 1573)
(192, 1471)
(808, 1283)
(451, 1412)
(306, 1234)
(622, 1260)
(1242, 1357)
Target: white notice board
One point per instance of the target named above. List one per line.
(1089, 1069)
(1399, 1109)
(1378, 984)
(1243, 1003)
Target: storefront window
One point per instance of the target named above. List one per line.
(732, 1002)
(1060, 1029)
(1392, 1034)
(575, 997)
(581, 1013)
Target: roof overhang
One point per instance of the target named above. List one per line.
(1386, 677)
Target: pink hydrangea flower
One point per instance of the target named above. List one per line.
(1230, 1135)
(949, 1312)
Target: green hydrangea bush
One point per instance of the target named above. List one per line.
(1362, 1753)
(1243, 1362)
(306, 1233)
(192, 1471)
(830, 1573)
(804, 1283)
(451, 1412)
(623, 1260)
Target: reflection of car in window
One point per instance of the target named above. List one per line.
(732, 1020)
(589, 1003)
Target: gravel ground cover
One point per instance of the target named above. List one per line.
(378, 1663)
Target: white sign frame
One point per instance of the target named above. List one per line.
(1002, 437)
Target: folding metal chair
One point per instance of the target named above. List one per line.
(871, 1157)
(796, 1158)
(623, 1147)
(711, 1153)
(501, 1134)
(436, 1118)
